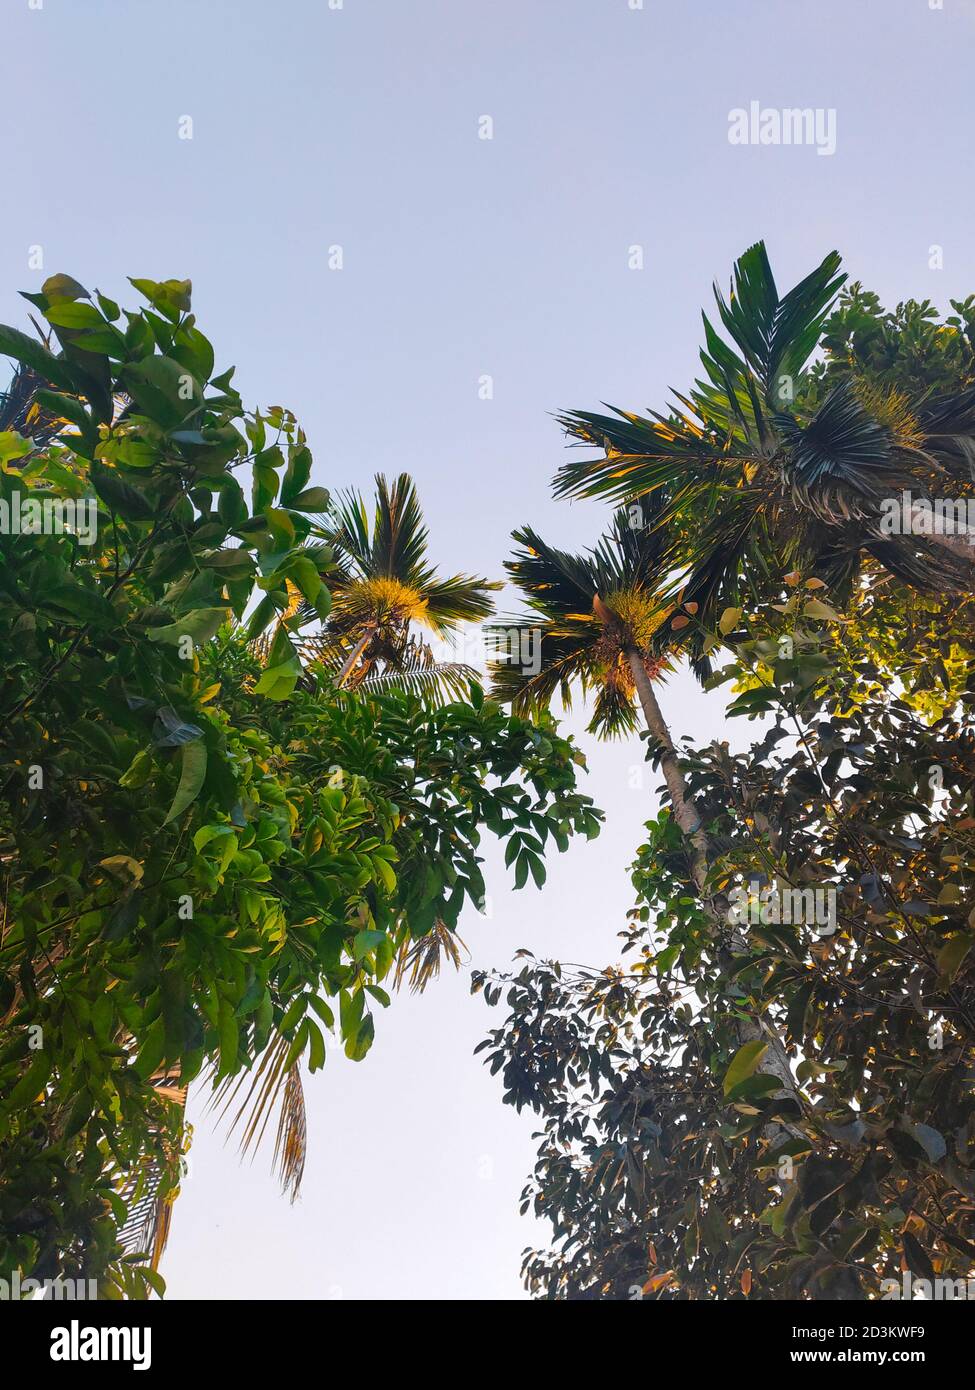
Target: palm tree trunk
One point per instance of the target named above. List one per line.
(685, 812)
(354, 655)
(696, 838)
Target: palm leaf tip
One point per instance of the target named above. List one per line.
(420, 960)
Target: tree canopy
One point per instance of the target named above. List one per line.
(211, 857)
(825, 886)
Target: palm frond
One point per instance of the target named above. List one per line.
(583, 612)
(21, 412)
(148, 1194)
(442, 682)
(269, 1085)
(381, 585)
(421, 959)
(459, 599)
(776, 336)
(746, 486)
(291, 1140)
(842, 446)
(399, 538)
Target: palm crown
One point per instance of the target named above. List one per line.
(590, 612)
(749, 484)
(383, 589)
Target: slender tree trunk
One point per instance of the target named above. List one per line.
(687, 817)
(685, 812)
(350, 663)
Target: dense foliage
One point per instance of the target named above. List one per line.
(769, 464)
(676, 1159)
(661, 1156)
(201, 846)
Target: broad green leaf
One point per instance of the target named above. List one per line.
(194, 767)
(952, 953)
(744, 1062)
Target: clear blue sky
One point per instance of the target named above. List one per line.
(358, 126)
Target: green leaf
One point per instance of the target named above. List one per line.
(88, 605)
(193, 772)
(229, 1038)
(357, 1047)
(385, 873)
(152, 1050)
(952, 953)
(108, 307)
(63, 287)
(30, 1085)
(170, 297)
(316, 1051)
(206, 833)
(67, 313)
(163, 389)
(69, 407)
(278, 682)
(744, 1062)
(199, 625)
(350, 1011)
(298, 470)
(33, 354)
(365, 942)
(322, 1010)
(313, 499)
(13, 445)
(266, 479)
(119, 495)
(298, 1045)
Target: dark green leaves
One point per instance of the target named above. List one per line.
(119, 495)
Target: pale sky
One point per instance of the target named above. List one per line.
(357, 127)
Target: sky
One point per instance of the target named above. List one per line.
(425, 299)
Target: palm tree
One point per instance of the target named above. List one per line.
(598, 618)
(601, 620)
(383, 590)
(750, 485)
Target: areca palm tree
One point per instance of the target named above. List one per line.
(599, 619)
(382, 591)
(750, 485)
(602, 620)
(386, 596)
